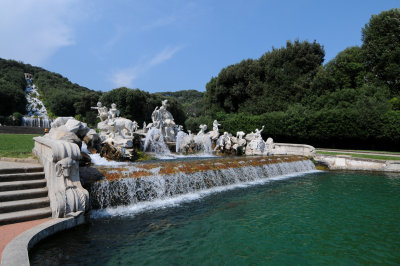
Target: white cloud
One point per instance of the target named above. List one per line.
(164, 55)
(32, 31)
(126, 76)
(160, 22)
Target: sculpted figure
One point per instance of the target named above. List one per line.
(258, 132)
(269, 146)
(224, 142)
(255, 145)
(103, 112)
(215, 125)
(163, 120)
(214, 134)
(121, 124)
(238, 142)
(70, 191)
(114, 112)
(202, 131)
(135, 126)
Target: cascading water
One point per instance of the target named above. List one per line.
(36, 111)
(198, 143)
(204, 142)
(179, 141)
(150, 182)
(154, 142)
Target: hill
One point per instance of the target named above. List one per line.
(60, 96)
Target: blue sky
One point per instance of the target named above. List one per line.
(172, 44)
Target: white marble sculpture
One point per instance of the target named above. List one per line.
(269, 147)
(102, 110)
(239, 143)
(60, 160)
(163, 120)
(224, 143)
(255, 143)
(214, 134)
(202, 131)
(76, 197)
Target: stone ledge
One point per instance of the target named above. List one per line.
(19, 160)
(17, 251)
(344, 162)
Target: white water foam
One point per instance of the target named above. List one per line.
(179, 156)
(175, 201)
(98, 160)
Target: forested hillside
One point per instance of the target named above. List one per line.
(60, 96)
(350, 102)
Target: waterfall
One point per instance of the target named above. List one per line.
(149, 183)
(154, 142)
(36, 111)
(179, 141)
(36, 122)
(204, 143)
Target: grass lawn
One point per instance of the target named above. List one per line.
(362, 151)
(362, 155)
(16, 145)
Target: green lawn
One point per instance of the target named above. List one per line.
(362, 155)
(16, 145)
(361, 151)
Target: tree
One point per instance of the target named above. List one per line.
(277, 79)
(381, 48)
(347, 68)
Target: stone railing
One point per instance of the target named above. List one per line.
(294, 149)
(60, 160)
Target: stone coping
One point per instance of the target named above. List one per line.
(346, 162)
(17, 251)
(19, 160)
(356, 158)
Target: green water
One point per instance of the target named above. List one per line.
(320, 219)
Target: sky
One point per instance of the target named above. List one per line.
(169, 45)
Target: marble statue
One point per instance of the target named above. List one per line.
(113, 112)
(163, 120)
(239, 143)
(203, 129)
(70, 188)
(224, 143)
(214, 134)
(102, 110)
(255, 143)
(269, 146)
(61, 159)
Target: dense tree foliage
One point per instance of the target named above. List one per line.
(61, 97)
(350, 102)
(139, 105)
(191, 100)
(12, 88)
(381, 48)
(272, 83)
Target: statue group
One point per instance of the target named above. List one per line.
(118, 133)
(164, 121)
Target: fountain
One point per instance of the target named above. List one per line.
(108, 180)
(36, 111)
(119, 139)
